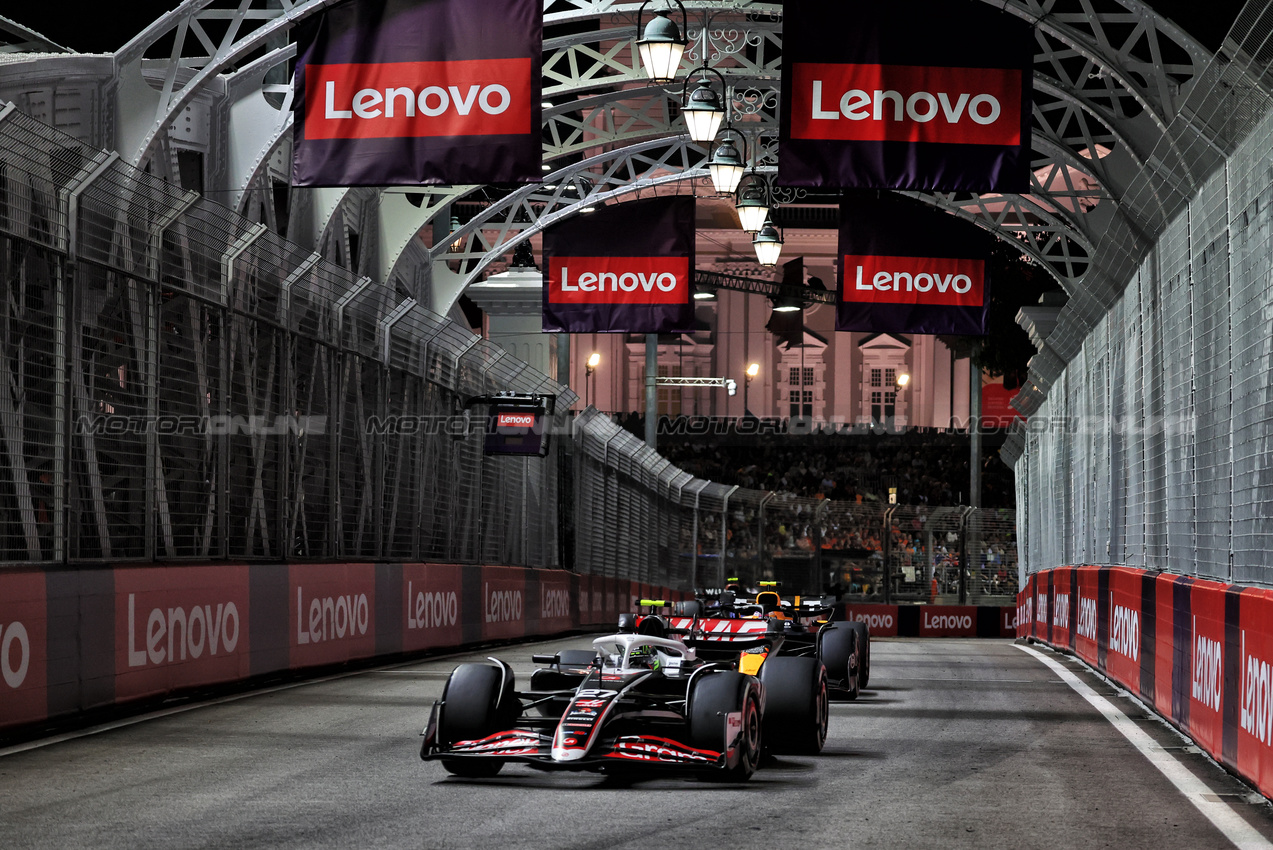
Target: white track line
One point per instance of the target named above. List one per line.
(1221, 814)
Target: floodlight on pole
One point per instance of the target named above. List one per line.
(662, 44)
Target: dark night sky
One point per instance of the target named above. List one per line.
(116, 23)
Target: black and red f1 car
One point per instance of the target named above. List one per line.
(637, 701)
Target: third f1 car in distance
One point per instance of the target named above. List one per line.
(634, 702)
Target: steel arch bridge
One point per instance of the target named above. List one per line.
(1125, 127)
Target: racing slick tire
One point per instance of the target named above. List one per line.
(688, 608)
(864, 653)
(838, 652)
(714, 696)
(471, 710)
(797, 707)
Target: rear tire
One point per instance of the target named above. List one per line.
(797, 707)
(689, 608)
(714, 696)
(864, 654)
(838, 651)
(471, 710)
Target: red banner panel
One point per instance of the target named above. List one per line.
(332, 615)
(948, 621)
(556, 611)
(1087, 625)
(1206, 683)
(431, 606)
(927, 94)
(503, 603)
(1060, 606)
(626, 268)
(409, 92)
(1025, 607)
(1255, 689)
(23, 648)
(178, 627)
(1122, 661)
(880, 619)
(1007, 621)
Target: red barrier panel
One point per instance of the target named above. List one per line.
(880, 619)
(1122, 661)
(178, 627)
(503, 603)
(1060, 605)
(1206, 683)
(333, 616)
(948, 621)
(1007, 621)
(556, 604)
(431, 609)
(1087, 612)
(1255, 689)
(23, 648)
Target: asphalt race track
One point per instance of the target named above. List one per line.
(959, 743)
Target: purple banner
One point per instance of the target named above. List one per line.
(410, 92)
(927, 95)
(908, 268)
(626, 268)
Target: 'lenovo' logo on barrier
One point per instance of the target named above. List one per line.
(878, 622)
(906, 103)
(331, 617)
(946, 621)
(1061, 611)
(1087, 618)
(1257, 695)
(914, 280)
(503, 606)
(618, 280)
(188, 633)
(1208, 670)
(1041, 612)
(469, 97)
(1125, 631)
(554, 603)
(14, 673)
(431, 610)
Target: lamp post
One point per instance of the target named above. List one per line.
(593, 360)
(902, 382)
(753, 369)
(703, 108)
(768, 244)
(727, 164)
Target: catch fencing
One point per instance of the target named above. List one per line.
(1154, 448)
(183, 385)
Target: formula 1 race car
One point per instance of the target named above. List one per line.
(752, 632)
(636, 701)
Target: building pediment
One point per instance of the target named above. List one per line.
(884, 342)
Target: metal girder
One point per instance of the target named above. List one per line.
(757, 286)
(1111, 141)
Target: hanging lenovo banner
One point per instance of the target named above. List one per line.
(928, 94)
(626, 268)
(909, 269)
(408, 92)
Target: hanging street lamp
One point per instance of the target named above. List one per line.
(703, 107)
(752, 207)
(662, 44)
(768, 244)
(727, 165)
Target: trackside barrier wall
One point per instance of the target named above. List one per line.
(1199, 652)
(932, 620)
(79, 639)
